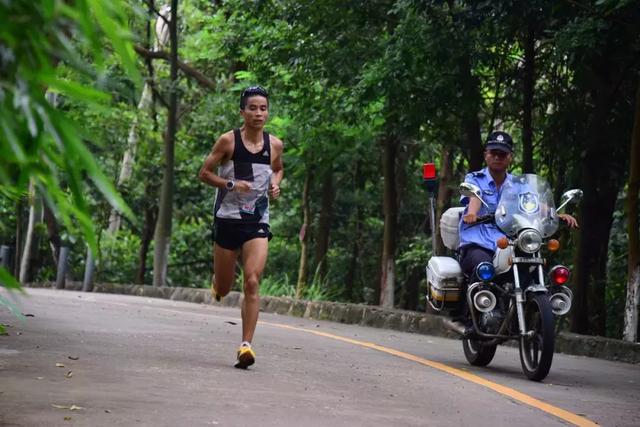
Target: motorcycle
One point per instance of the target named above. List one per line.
(511, 300)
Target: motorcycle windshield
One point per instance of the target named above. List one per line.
(527, 202)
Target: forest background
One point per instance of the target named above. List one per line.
(98, 95)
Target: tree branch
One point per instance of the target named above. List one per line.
(156, 11)
(188, 70)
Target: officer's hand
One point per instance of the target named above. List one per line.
(274, 191)
(242, 187)
(470, 218)
(571, 221)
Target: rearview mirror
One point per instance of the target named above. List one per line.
(471, 190)
(569, 196)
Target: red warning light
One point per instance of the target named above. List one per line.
(429, 171)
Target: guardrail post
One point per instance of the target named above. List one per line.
(5, 257)
(89, 269)
(62, 267)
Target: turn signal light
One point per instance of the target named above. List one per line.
(553, 245)
(502, 243)
(559, 274)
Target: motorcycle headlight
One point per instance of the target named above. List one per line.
(530, 241)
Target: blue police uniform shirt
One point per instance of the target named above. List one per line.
(484, 235)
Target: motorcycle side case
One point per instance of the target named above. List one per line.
(444, 279)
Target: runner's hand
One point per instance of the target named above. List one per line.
(242, 187)
(274, 191)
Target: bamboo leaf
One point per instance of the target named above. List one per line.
(7, 280)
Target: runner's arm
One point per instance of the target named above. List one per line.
(220, 152)
(277, 167)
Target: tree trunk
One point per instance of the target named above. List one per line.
(18, 244)
(150, 218)
(600, 193)
(411, 289)
(53, 232)
(527, 107)
(445, 193)
(357, 230)
(163, 227)
(324, 225)
(126, 170)
(25, 264)
(602, 179)
(305, 232)
(470, 121)
(499, 79)
(633, 229)
(390, 207)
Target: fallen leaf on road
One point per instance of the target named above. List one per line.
(230, 322)
(67, 418)
(107, 411)
(69, 374)
(71, 408)
(59, 365)
(28, 315)
(39, 378)
(73, 357)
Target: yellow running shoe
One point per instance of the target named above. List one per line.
(246, 357)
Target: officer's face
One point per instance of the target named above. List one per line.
(497, 160)
(256, 111)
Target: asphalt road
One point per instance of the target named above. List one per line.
(110, 360)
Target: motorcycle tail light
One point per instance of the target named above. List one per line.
(559, 274)
(485, 271)
(553, 245)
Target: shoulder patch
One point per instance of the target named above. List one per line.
(477, 174)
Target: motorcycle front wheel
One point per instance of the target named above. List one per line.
(478, 354)
(536, 351)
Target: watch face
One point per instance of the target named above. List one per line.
(230, 185)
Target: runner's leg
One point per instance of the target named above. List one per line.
(224, 268)
(254, 258)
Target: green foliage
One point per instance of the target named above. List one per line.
(271, 286)
(343, 77)
(118, 260)
(41, 144)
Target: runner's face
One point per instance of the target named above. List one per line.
(256, 111)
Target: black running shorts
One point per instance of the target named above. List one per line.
(232, 235)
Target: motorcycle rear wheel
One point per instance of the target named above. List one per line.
(478, 354)
(536, 352)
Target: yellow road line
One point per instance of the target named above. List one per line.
(506, 391)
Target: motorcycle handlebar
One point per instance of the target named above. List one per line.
(483, 219)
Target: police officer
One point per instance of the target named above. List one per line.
(478, 242)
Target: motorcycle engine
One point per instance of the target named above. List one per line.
(490, 321)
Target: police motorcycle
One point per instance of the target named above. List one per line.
(516, 298)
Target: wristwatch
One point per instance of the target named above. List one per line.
(230, 185)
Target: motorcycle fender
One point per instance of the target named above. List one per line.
(501, 259)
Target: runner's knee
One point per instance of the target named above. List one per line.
(251, 284)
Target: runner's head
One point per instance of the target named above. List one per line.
(252, 91)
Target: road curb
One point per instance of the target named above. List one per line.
(364, 315)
